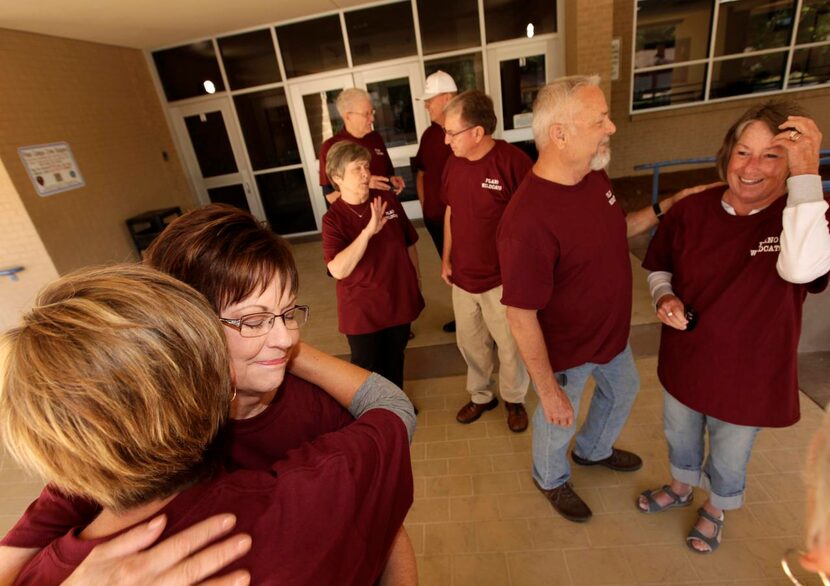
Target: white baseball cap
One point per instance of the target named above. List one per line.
(439, 82)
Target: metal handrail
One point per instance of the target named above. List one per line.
(11, 272)
(655, 179)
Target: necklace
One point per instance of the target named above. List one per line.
(351, 209)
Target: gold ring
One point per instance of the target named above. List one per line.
(794, 135)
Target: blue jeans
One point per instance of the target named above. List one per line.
(617, 383)
(724, 472)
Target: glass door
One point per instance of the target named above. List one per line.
(517, 73)
(214, 156)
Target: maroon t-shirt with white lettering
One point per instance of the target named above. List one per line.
(300, 412)
(477, 193)
(739, 362)
(326, 514)
(382, 290)
(380, 164)
(431, 158)
(564, 252)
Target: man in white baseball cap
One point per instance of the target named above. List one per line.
(432, 154)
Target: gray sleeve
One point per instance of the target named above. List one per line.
(378, 393)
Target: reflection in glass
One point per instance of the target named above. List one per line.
(394, 117)
(529, 147)
(249, 59)
(266, 126)
(286, 203)
(312, 46)
(810, 66)
(509, 19)
(466, 70)
(521, 80)
(753, 25)
(671, 31)
(183, 71)
(814, 24)
(381, 33)
(230, 194)
(409, 192)
(448, 25)
(323, 119)
(748, 75)
(211, 144)
(664, 87)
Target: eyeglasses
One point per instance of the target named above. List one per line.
(797, 574)
(259, 324)
(454, 134)
(365, 114)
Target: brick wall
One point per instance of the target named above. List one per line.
(588, 33)
(101, 100)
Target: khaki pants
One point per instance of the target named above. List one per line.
(481, 319)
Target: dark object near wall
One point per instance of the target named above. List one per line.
(145, 227)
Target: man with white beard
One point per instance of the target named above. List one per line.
(565, 267)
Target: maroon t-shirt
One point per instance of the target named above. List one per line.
(431, 158)
(739, 362)
(382, 290)
(564, 252)
(477, 193)
(380, 164)
(299, 413)
(326, 514)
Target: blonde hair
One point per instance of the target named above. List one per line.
(817, 480)
(115, 386)
(348, 98)
(554, 103)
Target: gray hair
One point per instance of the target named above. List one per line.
(339, 157)
(349, 97)
(554, 103)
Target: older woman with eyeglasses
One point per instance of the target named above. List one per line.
(285, 393)
(728, 365)
(358, 114)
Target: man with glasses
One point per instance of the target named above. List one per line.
(477, 184)
(355, 108)
(433, 153)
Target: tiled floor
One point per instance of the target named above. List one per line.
(477, 518)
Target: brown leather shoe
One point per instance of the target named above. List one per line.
(472, 411)
(619, 460)
(566, 502)
(516, 417)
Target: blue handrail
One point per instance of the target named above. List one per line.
(10, 272)
(655, 178)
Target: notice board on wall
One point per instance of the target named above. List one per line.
(51, 167)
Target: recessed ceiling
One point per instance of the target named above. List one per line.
(150, 24)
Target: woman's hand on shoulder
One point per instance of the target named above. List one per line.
(670, 311)
(801, 139)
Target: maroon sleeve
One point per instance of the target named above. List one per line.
(390, 168)
(324, 151)
(659, 254)
(333, 238)
(409, 233)
(327, 415)
(51, 516)
(418, 161)
(444, 175)
(526, 265)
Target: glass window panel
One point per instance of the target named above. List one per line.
(211, 144)
(516, 19)
(448, 25)
(266, 126)
(748, 75)
(664, 87)
(380, 33)
(230, 194)
(249, 59)
(183, 71)
(672, 31)
(285, 199)
(752, 25)
(312, 46)
(323, 119)
(521, 80)
(409, 192)
(466, 70)
(529, 147)
(810, 66)
(814, 24)
(394, 117)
